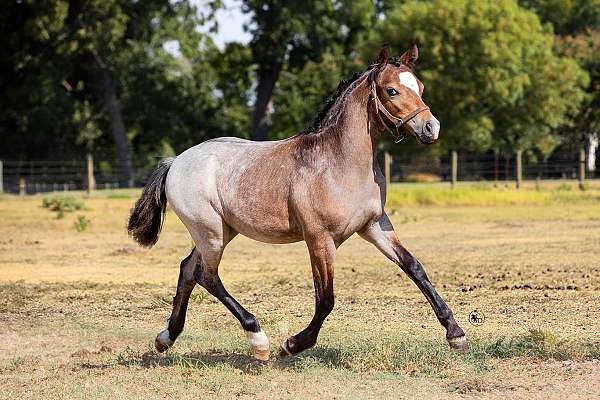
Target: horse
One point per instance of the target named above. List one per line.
(319, 186)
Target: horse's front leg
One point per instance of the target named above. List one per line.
(322, 254)
(381, 234)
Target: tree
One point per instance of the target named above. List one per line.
(489, 69)
(73, 71)
(568, 17)
(576, 24)
(286, 34)
(99, 36)
(33, 103)
(584, 48)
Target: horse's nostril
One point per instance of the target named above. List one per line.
(428, 127)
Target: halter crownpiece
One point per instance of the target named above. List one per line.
(397, 121)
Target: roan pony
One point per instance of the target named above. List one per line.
(321, 185)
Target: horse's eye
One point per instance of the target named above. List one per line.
(391, 91)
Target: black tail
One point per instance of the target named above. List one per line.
(146, 217)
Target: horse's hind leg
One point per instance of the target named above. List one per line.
(185, 285)
(207, 275)
(211, 237)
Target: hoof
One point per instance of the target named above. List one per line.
(163, 341)
(261, 354)
(259, 345)
(459, 344)
(284, 350)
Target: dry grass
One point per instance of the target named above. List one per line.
(79, 310)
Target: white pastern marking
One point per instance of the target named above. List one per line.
(164, 338)
(458, 340)
(408, 79)
(258, 340)
(285, 348)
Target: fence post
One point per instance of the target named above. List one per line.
(1, 177)
(454, 168)
(21, 186)
(90, 180)
(582, 169)
(519, 168)
(496, 166)
(387, 164)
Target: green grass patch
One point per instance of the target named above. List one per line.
(119, 196)
(539, 344)
(402, 355)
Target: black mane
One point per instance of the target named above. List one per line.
(343, 85)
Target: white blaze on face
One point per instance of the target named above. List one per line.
(408, 79)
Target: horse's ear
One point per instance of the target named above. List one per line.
(410, 56)
(384, 54)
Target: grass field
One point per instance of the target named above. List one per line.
(80, 304)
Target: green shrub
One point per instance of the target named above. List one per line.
(82, 223)
(62, 204)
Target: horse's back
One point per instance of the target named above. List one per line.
(194, 174)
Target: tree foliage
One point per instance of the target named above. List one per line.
(286, 34)
(568, 17)
(576, 24)
(489, 69)
(495, 74)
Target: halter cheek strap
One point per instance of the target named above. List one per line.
(396, 121)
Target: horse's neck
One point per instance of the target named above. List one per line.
(357, 141)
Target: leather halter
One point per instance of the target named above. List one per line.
(397, 121)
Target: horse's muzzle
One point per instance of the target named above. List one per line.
(429, 132)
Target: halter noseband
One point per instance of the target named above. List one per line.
(397, 121)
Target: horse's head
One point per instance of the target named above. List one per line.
(396, 96)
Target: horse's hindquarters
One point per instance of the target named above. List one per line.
(232, 184)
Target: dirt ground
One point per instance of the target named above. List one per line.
(79, 310)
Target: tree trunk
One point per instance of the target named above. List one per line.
(117, 127)
(267, 77)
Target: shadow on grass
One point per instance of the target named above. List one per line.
(408, 356)
(330, 357)
(211, 359)
(427, 357)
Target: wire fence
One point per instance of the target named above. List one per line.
(29, 177)
(484, 168)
